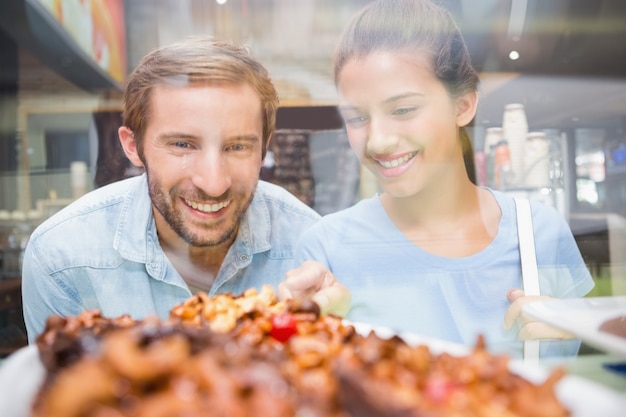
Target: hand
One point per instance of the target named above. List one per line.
(528, 329)
(314, 281)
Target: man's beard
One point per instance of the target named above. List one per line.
(164, 203)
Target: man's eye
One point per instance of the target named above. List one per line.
(237, 147)
(181, 144)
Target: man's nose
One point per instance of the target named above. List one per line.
(212, 174)
(382, 139)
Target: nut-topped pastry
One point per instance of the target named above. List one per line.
(255, 355)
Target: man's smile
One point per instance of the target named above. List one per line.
(207, 208)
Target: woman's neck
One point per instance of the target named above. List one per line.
(457, 222)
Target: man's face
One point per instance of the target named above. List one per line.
(202, 154)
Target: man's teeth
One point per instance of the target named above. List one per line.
(207, 208)
(394, 163)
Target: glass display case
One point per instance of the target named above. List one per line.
(61, 87)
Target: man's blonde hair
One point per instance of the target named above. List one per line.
(193, 61)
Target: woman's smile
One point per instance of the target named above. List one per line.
(394, 165)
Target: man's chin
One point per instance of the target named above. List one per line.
(203, 240)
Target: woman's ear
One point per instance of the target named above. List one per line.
(466, 106)
(129, 144)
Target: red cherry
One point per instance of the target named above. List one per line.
(439, 389)
(284, 326)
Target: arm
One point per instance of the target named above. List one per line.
(314, 279)
(41, 295)
(563, 274)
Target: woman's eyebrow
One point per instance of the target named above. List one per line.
(402, 96)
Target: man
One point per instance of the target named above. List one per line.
(198, 116)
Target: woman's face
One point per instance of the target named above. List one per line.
(401, 121)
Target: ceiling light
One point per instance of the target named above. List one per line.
(513, 55)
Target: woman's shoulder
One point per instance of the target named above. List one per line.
(363, 210)
(509, 200)
(546, 219)
(357, 219)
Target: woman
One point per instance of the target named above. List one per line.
(432, 254)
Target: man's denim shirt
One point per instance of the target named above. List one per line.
(102, 252)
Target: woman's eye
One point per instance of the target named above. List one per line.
(403, 110)
(355, 121)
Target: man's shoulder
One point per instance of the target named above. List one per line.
(92, 214)
(280, 202)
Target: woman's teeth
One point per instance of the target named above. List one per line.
(207, 208)
(396, 162)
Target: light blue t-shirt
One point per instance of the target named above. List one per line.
(102, 252)
(396, 284)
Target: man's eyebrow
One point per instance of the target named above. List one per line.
(245, 137)
(187, 136)
(176, 135)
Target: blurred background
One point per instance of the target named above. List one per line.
(553, 96)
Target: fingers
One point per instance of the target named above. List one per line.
(304, 281)
(538, 330)
(528, 328)
(334, 300)
(312, 280)
(293, 288)
(283, 292)
(515, 311)
(513, 294)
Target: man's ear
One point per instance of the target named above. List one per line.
(129, 144)
(466, 106)
(267, 148)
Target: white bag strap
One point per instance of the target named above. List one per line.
(530, 276)
(525, 234)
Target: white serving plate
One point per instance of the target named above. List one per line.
(582, 317)
(436, 345)
(22, 373)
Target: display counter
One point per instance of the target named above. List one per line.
(12, 329)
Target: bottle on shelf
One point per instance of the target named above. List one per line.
(536, 161)
(502, 165)
(493, 135)
(514, 131)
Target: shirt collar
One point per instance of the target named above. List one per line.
(135, 235)
(255, 227)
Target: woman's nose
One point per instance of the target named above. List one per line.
(381, 139)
